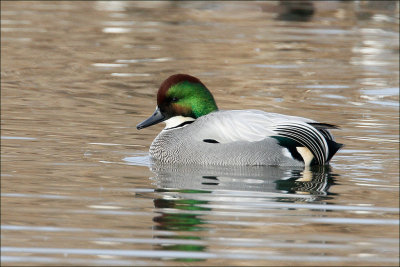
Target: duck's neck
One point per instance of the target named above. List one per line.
(177, 121)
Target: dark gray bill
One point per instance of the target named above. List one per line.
(153, 119)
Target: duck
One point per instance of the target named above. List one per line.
(198, 132)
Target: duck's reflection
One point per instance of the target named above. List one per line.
(314, 181)
(182, 216)
(186, 195)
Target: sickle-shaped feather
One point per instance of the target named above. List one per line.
(307, 136)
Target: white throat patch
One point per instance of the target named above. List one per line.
(175, 121)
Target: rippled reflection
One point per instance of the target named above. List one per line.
(314, 181)
(187, 195)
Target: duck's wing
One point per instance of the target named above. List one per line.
(254, 125)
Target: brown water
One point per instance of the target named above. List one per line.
(76, 184)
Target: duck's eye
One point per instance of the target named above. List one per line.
(174, 99)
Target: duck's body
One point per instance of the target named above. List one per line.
(233, 137)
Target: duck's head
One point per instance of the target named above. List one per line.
(181, 98)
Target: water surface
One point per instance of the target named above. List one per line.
(77, 187)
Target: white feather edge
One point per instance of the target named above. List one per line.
(175, 121)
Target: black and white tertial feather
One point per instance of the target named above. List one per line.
(313, 136)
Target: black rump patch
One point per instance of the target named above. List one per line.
(210, 141)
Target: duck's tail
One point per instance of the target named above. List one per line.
(333, 146)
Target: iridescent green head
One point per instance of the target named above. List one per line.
(181, 95)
